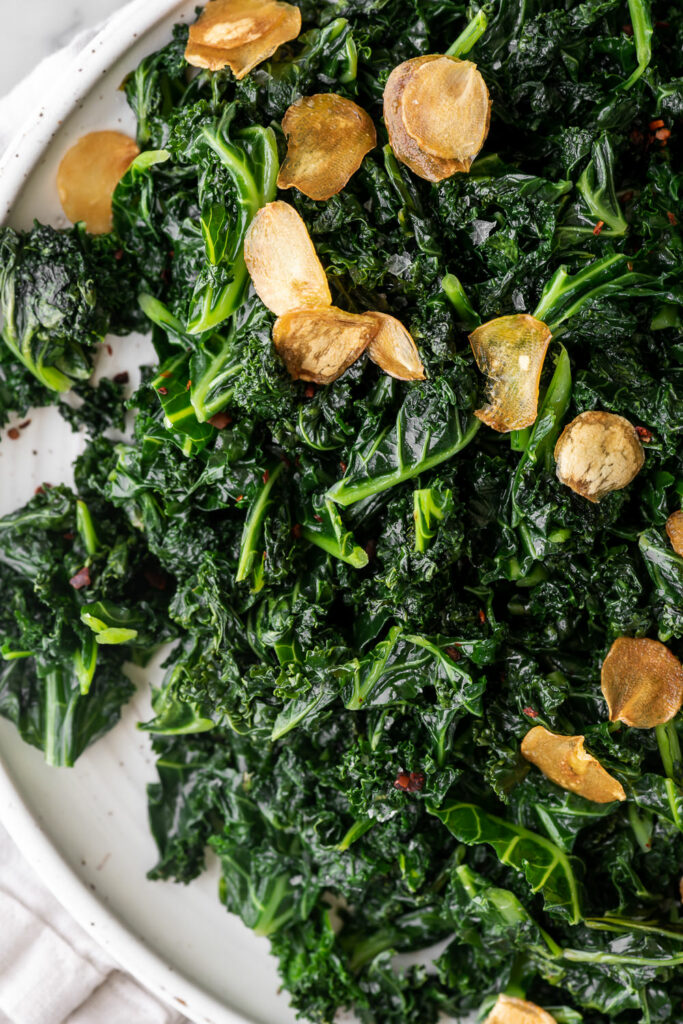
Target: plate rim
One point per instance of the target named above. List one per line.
(23, 151)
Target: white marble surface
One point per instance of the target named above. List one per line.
(40, 27)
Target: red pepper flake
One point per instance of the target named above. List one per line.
(266, 477)
(672, 218)
(663, 135)
(221, 420)
(121, 378)
(296, 530)
(239, 497)
(188, 385)
(318, 518)
(482, 616)
(629, 265)
(13, 433)
(165, 374)
(531, 713)
(410, 782)
(156, 579)
(110, 350)
(118, 255)
(636, 137)
(453, 653)
(309, 390)
(598, 227)
(654, 125)
(644, 434)
(162, 391)
(39, 490)
(627, 29)
(342, 466)
(68, 536)
(627, 196)
(81, 579)
(24, 425)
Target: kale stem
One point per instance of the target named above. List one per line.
(358, 829)
(254, 523)
(642, 36)
(455, 293)
(669, 749)
(469, 35)
(642, 828)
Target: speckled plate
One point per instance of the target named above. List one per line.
(85, 828)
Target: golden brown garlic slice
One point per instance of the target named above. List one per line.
(318, 345)
(510, 351)
(642, 682)
(446, 109)
(563, 760)
(327, 138)
(394, 350)
(674, 530)
(405, 148)
(282, 261)
(89, 173)
(240, 34)
(510, 1010)
(598, 452)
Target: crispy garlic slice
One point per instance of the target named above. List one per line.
(563, 760)
(394, 350)
(240, 34)
(642, 682)
(510, 1010)
(674, 531)
(318, 345)
(405, 148)
(89, 173)
(327, 138)
(597, 453)
(282, 261)
(510, 351)
(446, 109)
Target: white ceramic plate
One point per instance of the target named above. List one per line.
(85, 829)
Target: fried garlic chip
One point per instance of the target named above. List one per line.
(674, 530)
(327, 138)
(240, 34)
(405, 148)
(510, 351)
(89, 173)
(394, 350)
(642, 682)
(446, 109)
(510, 1010)
(597, 453)
(318, 345)
(282, 261)
(563, 760)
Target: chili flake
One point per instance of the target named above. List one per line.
(81, 579)
(644, 434)
(598, 227)
(221, 420)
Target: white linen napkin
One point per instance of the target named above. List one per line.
(51, 970)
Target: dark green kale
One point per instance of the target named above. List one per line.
(375, 597)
